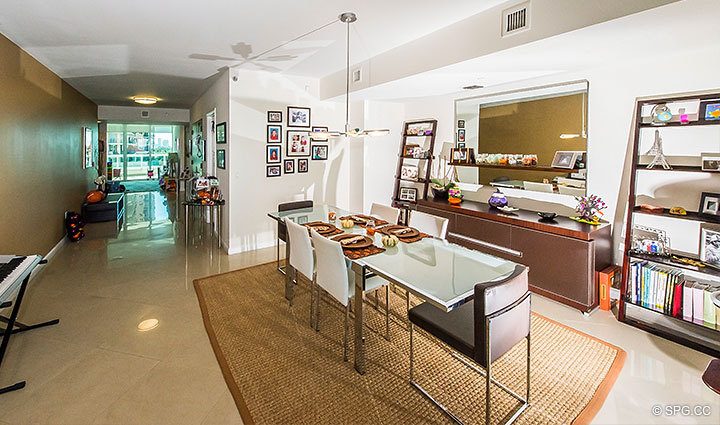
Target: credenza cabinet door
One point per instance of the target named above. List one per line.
(558, 264)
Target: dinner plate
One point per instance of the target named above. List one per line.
(322, 228)
(391, 230)
(363, 243)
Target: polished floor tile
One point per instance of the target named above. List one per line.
(97, 367)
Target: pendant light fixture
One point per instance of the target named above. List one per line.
(348, 18)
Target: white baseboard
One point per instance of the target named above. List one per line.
(49, 256)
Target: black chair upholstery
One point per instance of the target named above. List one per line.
(287, 206)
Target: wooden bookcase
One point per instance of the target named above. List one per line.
(426, 143)
(698, 335)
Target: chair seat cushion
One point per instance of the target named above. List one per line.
(455, 328)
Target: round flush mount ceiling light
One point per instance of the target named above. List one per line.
(147, 325)
(145, 100)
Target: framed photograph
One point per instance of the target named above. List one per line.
(274, 133)
(461, 136)
(461, 145)
(710, 244)
(297, 143)
(87, 141)
(710, 110)
(319, 152)
(298, 116)
(221, 159)
(710, 204)
(408, 194)
(302, 165)
(273, 155)
(710, 161)
(648, 240)
(460, 155)
(461, 123)
(319, 130)
(220, 130)
(409, 172)
(275, 116)
(273, 171)
(289, 166)
(565, 159)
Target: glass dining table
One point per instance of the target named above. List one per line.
(434, 270)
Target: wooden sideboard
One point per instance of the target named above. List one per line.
(563, 255)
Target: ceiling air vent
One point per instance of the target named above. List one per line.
(516, 19)
(145, 114)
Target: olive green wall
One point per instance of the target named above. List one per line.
(41, 173)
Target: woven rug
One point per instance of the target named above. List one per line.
(280, 371)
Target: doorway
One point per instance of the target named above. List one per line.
(140, 151)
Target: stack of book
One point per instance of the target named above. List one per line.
(670, 292)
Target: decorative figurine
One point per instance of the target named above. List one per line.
(678, 211)
(661, 114)
(657, 151)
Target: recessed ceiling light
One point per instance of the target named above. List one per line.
(145, 100)
(473, 87)
(148, 324)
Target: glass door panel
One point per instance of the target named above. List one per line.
(138, 152)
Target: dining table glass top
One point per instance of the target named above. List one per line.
(438, 271)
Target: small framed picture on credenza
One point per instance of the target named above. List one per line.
(710, 161)
(710, 204)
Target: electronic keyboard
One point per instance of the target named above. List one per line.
(13, 271)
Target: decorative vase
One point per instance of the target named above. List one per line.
(498, 199)
(440, 194)
(454, 201)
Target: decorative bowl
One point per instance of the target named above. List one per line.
(454, 201)
(547, 215)
(498, 199)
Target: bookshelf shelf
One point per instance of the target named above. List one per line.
(425, 142)
(691, 215)
(661, 280)
(518, 167)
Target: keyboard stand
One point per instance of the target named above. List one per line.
(12, 323)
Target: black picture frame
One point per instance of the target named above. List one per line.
(273, 171)
(408, 194)
(461, 123)
(221, 133)
(303, 165)
(702, 111)
(290, 139)
(298, 116)
(709, 204)
(269, 157)
(221, 159)
(278, 128)
(319, 152)
(289, 166)
(275, 117)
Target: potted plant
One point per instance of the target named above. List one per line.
(440, 188)
(442, 182)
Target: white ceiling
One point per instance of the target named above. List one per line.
(111, 50)
(606, 44)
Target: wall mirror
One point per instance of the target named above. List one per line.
(531, 139)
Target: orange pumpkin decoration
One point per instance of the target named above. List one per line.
(94, 196)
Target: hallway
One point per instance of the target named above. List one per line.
(96, 366)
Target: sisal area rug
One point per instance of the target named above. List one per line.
(280, 371)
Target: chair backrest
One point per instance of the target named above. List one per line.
(295, 205)
(574, 191)
(506, 329)
(332, 268)
(287, 206)
(538, 187)
(385, 212)
(301, 250)
(430, 224)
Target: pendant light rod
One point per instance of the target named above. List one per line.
(348, 18)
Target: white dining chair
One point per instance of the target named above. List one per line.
(334, 275)
(430, 224)
(538, 187)
(302, 258)
(385, 212)
(574, 191)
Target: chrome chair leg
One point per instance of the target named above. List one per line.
(387, 312)
(345, 332)
(312, 300)
(412, 358)
(280, 268)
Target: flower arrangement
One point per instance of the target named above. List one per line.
(589, 209)
(455, 195)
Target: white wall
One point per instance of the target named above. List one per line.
(252, 194)
(217, 97)
(131, 114)
(613, 91)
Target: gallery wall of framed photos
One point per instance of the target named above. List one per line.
(290, 150)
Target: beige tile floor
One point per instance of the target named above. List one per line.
(97, 368)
